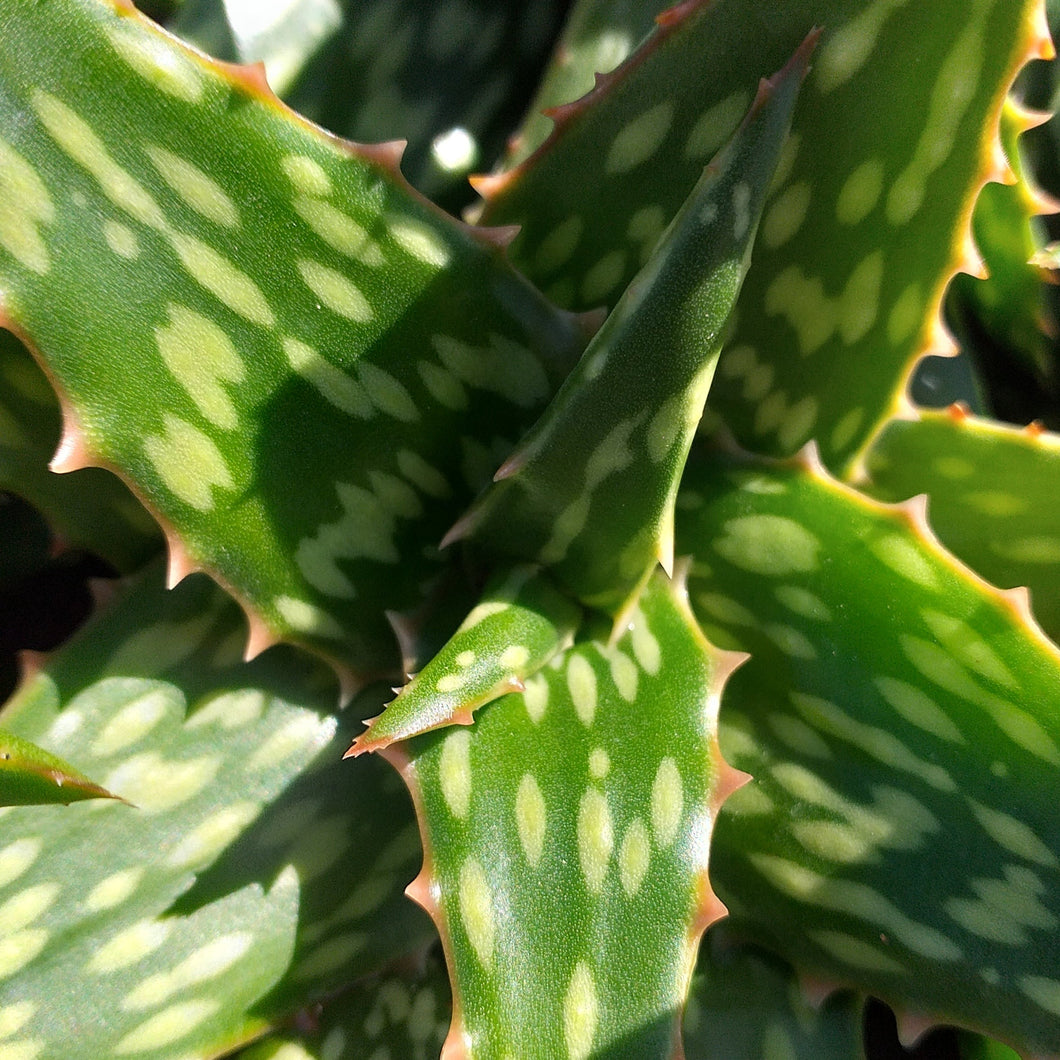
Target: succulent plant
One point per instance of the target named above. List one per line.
(583, 567)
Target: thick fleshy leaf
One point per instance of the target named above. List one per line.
(254, 872)
(30, 775)
(901, 719)
(449, 78)
(299, 317)
(589, 492)
(991, 492)
(566, 837)
(869, 217)
(745, 1004)
(518, 626)
(88, 509)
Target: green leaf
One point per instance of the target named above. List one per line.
(30, 775)
(900, 719)
(373, 70)
(300, 317)
(868, 217)
(589, 492)
(255, 872)
(855, 258)
(990, 491)
(566, 839)
(518, 626)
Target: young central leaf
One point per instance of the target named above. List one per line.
(520, 623)
(304, 369)
(590, 491)
(566, 837)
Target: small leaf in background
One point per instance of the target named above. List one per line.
(746, 1004)
(566, 836)
(404, 1017)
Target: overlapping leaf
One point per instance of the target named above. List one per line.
(1008, 308)
(745, 1004)
(394, 1016)
(853, 257)
(254, 871)
(902, 723)
(589, 492)
(299, 317)
(566, 838)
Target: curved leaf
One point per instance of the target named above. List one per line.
(566, 837)
(901, 719)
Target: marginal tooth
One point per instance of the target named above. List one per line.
(1039, 203)
(350, 682)
(1035, 428)
(673, 16)
(259, 638)
(459, 530)
(499, 237)
(911, 1027)
(1041, 45)
(726, 663)
(179, 564)
(387, 154)
(490, 185)
(30, 663)
(999, 168)
(1026, 117)
(940, 341)
(915, 512)
(710, 910)
(904, 409)
(958, 412)
(809, 458)
(102, 591)
(405, 630)
(72, 453)
(250, 77)
(971, 260)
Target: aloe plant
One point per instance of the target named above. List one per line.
(568, 566)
